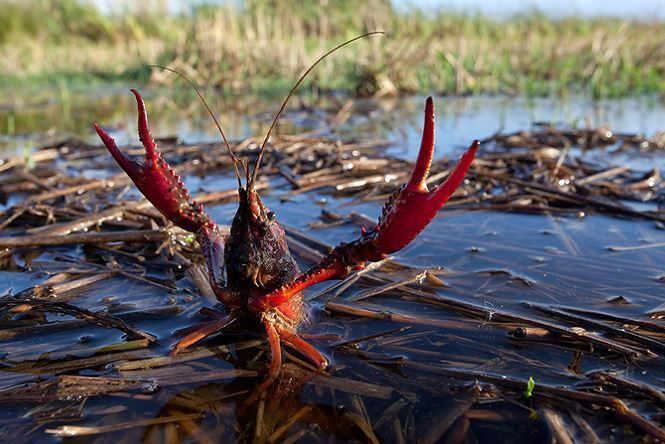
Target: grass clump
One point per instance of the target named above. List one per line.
(256, 43)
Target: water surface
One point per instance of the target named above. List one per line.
(457, 362)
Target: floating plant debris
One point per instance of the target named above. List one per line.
(510, 286)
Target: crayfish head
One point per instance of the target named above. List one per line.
(257, 256)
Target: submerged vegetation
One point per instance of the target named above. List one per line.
(260, 44)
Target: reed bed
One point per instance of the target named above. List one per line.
(265, 45)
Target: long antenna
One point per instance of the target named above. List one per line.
(257, 164)
(234, 159)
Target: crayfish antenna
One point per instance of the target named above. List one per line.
(259, 158)
(234, 158)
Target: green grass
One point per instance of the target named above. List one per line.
(268, 43)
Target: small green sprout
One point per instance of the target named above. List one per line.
(530, 385)
(26, 151)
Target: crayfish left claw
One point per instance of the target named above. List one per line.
(156, 179)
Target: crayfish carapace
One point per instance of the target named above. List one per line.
(251, 270)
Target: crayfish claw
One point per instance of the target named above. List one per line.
(156, 180)
(442, 192)
(411, 208)
(406, 213)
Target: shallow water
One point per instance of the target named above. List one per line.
(180, 114)
(400, 378)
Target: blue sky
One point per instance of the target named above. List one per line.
(641, 9)
(634, 9)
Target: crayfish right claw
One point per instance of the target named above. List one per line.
(156, 179)
(406, 213)
(412, 207)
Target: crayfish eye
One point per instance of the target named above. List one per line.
(271, 216)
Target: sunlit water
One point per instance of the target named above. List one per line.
(501, 262)
(459, 119)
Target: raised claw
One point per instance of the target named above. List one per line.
(406, 213)
(412, 207)
(156, 179)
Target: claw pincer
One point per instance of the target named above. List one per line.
(413, 206)
(156, 179)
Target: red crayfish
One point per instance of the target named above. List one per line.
(251, 270)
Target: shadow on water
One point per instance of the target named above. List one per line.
(435, 345)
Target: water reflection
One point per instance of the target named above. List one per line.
(177, 112)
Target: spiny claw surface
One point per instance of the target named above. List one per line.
(412, 207)
(156, 179)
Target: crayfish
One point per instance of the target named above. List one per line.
(251, 270)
